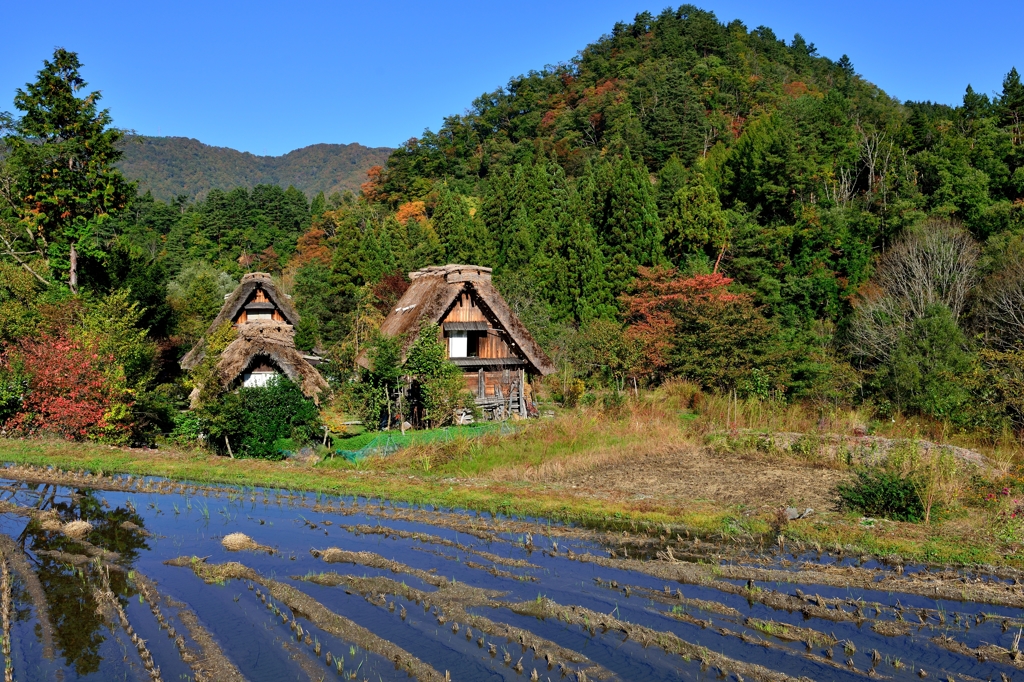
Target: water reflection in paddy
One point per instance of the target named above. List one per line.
(391, 590)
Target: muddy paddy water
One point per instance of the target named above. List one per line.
(141, 579)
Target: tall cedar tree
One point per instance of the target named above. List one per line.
(629, 232)
(694, 220)
(63, 152)
(454, 226)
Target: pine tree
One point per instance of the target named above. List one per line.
(424, 246)
(345, 260)
(484, 251)
(375, 255)
(62, 151)
(671, 179)
(548, 203)
(395, 238)
(497, 211)
(976, 105)
(1011, 106)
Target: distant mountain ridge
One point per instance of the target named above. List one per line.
(172, 166)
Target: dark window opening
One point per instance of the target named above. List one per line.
(473, 345)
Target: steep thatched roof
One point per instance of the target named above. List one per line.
(233, 305)
(274, 342)
(431, 295)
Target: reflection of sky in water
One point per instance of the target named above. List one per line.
(263, 648)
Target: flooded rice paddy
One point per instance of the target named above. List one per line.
(115, 578)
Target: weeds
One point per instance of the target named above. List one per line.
(883, 493)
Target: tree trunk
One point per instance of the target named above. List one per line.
(73, 270)
(227, 443)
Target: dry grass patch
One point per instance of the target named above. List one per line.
(237, 542)
(76, 530)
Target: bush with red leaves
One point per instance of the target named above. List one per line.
(64, 390)
(693, 326)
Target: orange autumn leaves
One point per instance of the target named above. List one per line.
(652, 310)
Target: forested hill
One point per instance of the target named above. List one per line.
(684, 198)
(173, 166)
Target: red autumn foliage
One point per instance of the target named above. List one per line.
(388, 291)
(658, 293)
(549, 118)
(65, 390)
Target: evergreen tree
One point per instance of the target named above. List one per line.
(424, 246)
(671, 179)
(630, 235)
(497, 211)
(521, 248)
(62, 151)
(345, 259)
(548, 198)
(375, 255)
(976, 105)
(587, 292)
(675, 123)
(453, 225)
(1011, 106)
(395, 239)
(318, 206)
(694, 220)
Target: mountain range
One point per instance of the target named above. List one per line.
(173, 166)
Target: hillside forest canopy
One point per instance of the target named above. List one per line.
(182, 169)
(684, 198)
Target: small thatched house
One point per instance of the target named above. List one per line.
(484, 337)
(265, 320)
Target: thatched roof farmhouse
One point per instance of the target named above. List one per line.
(484, 337)
(265, 320)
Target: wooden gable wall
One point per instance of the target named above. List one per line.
(258, 296)
(492, 344)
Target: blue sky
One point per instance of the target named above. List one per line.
(269, 77)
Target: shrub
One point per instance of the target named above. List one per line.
(371, 397)
(614, 402)
(187, 428)
(64, 390)
(252, 420)
(924, 373)
(886, 494)
(574, 393)
(438, 386)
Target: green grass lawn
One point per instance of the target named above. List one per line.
(353, 446)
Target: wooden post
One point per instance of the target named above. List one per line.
(522, 393)
(481, 385)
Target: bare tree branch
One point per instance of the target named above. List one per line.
(934, 264)
(1004, 306)
(16, 255)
